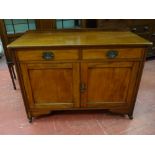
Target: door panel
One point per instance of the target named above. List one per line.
(52, 85)
(108, 83)
(48, 85)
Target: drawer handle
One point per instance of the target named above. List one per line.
(48, 55)
(134, 29)
(112, 54)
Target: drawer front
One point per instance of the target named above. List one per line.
(112, 53)
(47, 55)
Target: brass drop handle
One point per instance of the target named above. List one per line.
(112, 54)
(48, 55)
(134, 29)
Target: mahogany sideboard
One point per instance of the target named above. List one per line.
(79, 70)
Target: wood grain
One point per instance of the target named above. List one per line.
(57, 39)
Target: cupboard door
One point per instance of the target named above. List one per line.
(108, 84)
(52, 85)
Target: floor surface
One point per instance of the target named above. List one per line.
(13, 118)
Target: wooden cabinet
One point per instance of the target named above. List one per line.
(79, 70)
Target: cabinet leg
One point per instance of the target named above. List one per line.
(30, 120)
(130, 116)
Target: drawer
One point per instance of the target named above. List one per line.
(47, 55)
(112, 53)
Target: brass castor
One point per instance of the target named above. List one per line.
(30, 120)
(130, 117)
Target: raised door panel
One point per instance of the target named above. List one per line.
(51, 85)
(108, 84)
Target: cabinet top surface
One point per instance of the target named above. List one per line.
(93, 38)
